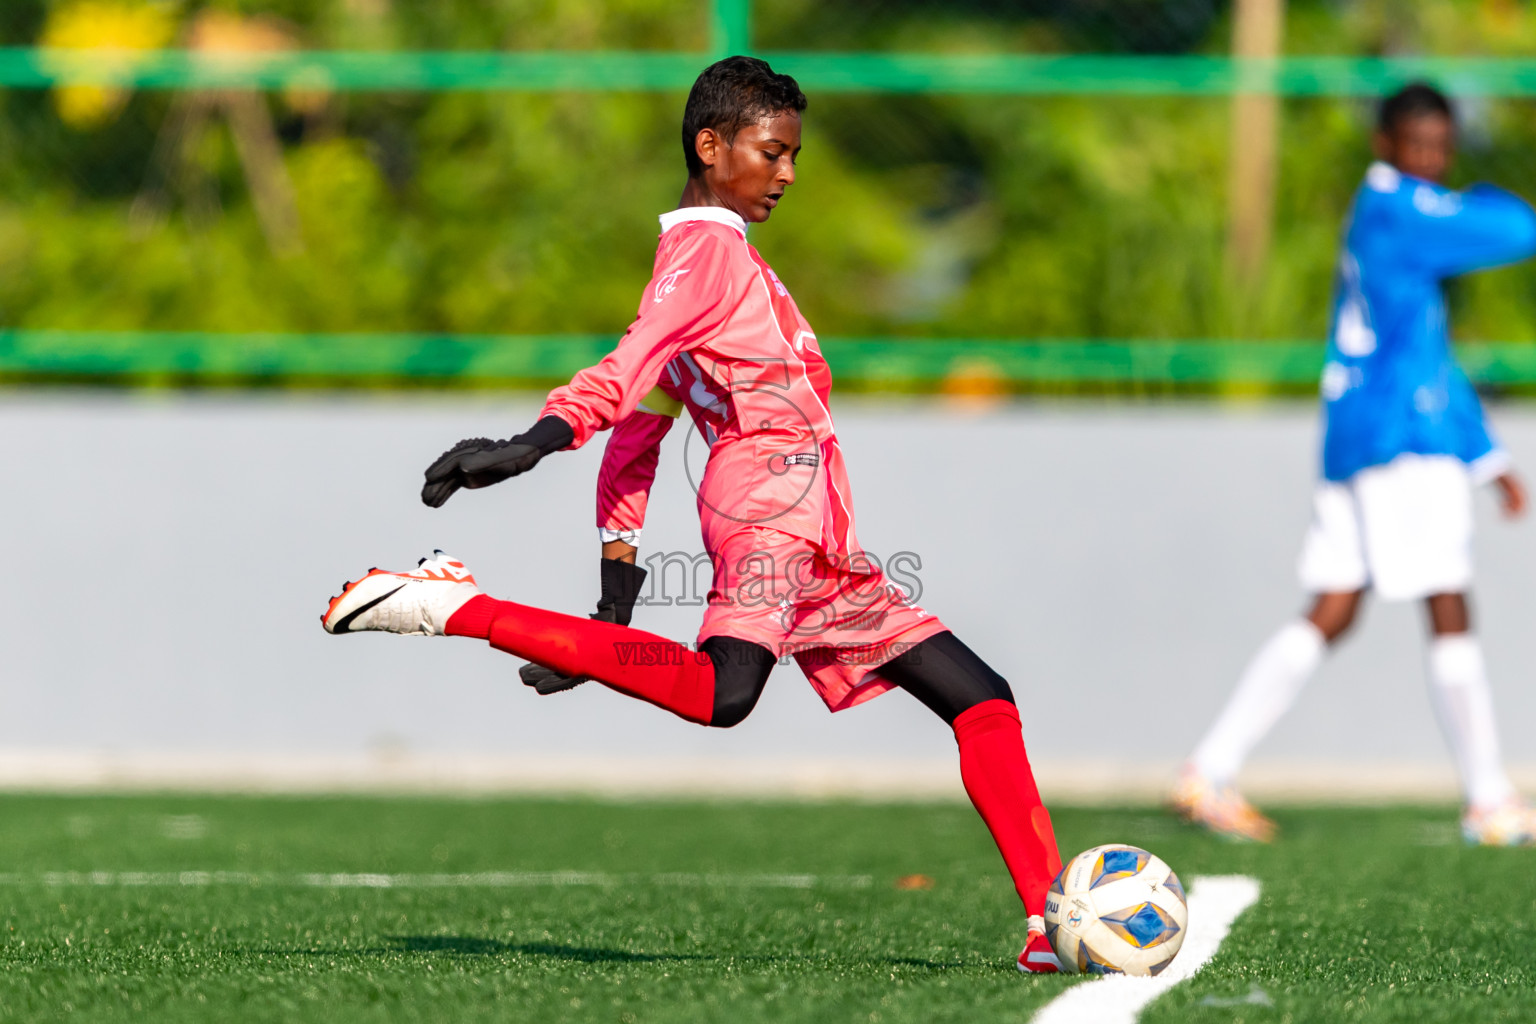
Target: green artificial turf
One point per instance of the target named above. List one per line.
(681, 912)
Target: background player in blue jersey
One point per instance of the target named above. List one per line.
(1404, 442)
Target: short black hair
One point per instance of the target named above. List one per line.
(1413, 100)
(731, 94)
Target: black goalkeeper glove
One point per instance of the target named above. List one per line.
(480, 462)
(621, 589)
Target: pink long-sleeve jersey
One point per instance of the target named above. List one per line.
(718, 332)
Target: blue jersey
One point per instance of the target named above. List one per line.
(1390, 385)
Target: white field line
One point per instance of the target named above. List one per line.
(478, 880)
(1215, 901)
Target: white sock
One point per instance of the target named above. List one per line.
(1266, 690)
(1458, 689)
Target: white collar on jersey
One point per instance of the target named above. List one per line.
(1383, 177)
(718, 214)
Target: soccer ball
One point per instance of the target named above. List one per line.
(1116, 910)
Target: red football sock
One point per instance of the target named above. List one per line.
(652, 668)
(473, 619)
(998, 779)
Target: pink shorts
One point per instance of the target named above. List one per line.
(778, 590)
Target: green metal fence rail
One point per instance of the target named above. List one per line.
(963, 365)
(607, 71)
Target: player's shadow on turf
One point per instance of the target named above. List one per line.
(468, 946)
(485, 947)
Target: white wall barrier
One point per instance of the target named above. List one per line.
(168, 558)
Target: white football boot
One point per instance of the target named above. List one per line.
(1222, 809)
(415, 603)
(1512, 823)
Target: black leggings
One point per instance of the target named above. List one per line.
(942, 672)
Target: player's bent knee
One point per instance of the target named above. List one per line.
(1333, 614)
(1340, 629)
(1333, 629)
(732, 709)
(947, 676)
(741, 672)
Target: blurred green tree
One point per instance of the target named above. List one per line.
(974, 216)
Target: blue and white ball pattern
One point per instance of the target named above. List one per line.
(1116, 910)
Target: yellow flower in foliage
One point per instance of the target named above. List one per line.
(119, 29)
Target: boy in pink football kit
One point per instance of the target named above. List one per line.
(717, 334)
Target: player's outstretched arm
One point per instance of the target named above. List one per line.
(1455, 233)
(480, 462)
(696, 288)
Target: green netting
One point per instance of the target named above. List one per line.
(465, 191)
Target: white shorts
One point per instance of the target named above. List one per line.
(1403, 529)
